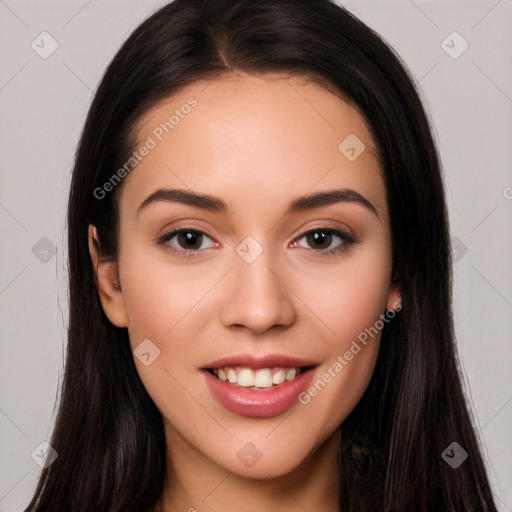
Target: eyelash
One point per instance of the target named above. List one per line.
(346, 237)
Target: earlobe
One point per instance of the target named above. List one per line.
(107, 282)
(394, 300)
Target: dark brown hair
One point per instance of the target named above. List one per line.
(108, 433)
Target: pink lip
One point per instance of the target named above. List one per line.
(257, 362)
(255, 403)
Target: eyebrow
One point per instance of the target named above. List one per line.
(215, 204)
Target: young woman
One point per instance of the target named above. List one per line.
(260, 278)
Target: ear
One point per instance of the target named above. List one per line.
(394, 300)
(107, 281)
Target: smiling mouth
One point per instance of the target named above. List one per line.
(260, 379)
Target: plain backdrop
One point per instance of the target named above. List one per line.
(43, 102)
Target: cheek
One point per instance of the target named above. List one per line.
(162, 301)
(350, 301)
(350, 347)
(159, 297)
(349, 297)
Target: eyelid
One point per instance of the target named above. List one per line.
(347, 241)
(340, 233)
(166, 236)
(327, 225)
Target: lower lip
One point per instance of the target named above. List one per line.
(258, 404)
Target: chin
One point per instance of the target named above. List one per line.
(263, 457)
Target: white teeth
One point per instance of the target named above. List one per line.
(262, 378)
(246, 378)
(278, 377)
(290, 374)
(232, 376)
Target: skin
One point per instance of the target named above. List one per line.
(257, 142)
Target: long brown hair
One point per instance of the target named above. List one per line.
(108, 433)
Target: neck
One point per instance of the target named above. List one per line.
(195, 483)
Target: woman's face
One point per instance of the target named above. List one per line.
(258, 270)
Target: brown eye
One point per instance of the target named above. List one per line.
(320, 240)
(188, 241)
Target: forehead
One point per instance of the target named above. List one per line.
(268, 101)
(248, 136)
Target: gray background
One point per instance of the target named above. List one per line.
(43, 103)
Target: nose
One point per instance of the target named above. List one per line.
(257, 296)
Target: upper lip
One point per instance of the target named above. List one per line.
(256, 362)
